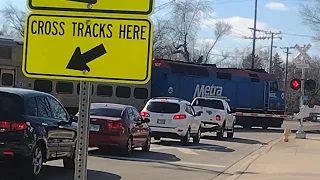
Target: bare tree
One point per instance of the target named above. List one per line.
(5, 31)
(13, 18)
(221, 29)
(311, 17)
(185, 23)
(162, 48)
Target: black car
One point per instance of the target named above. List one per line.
(35, 128)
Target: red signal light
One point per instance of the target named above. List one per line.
(295, 84)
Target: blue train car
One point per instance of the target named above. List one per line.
(253, 94)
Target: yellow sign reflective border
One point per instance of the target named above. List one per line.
(143, 7)
(109, 49)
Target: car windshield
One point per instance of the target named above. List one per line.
(163, 107)
(211, 103)
(109, 112)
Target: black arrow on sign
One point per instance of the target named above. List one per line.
(86, 1)
(79, 61)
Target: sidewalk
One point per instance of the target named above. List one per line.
(298, 159)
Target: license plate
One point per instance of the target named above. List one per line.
(94, 127)
(161, 121)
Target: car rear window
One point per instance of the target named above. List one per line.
(109, 112)
(163, 107)
(210, 103)
(10, 106)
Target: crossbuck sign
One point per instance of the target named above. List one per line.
(302, 52)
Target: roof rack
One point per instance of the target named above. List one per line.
(179, 99)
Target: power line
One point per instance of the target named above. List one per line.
(162, 6)
(266, 35)
(302, 35)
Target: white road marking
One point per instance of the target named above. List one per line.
(162, 161)
(183, 150)
(187, 151)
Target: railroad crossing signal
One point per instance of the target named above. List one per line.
(302, 52)
(310, 85)
(295, 84)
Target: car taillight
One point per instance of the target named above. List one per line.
(12, 126)
(144, 114)
(179, 116)
(218, 118)
(114, 125)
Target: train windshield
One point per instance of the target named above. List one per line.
(210, 103)
(109, 112)
(163, 107)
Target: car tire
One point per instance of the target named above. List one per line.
(147, 144)
(220, 134)
(185, 139)
(35, 163)
(128, 149)
(197, 137)
(69, 163)
(230, 134)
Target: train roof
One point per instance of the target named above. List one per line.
(10, 41)
(253, 73)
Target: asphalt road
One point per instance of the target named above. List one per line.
(169, 160)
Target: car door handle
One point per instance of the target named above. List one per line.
(44, 124)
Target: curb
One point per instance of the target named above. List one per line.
(245, 162)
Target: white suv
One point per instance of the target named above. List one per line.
(172, 118)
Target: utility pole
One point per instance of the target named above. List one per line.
(271, 47)
(254, 33)
(286, 72)
(266, 35)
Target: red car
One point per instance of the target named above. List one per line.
(119, 126)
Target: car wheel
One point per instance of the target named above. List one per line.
(69, 163)
(147, 144)
(35, 166)
(196, 138)
(128, 148)
(220, 134)
(230, 134)
(185, 140)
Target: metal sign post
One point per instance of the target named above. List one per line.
(303, 56)
(83, 131)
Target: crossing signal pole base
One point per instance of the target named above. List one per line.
(300, 134)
